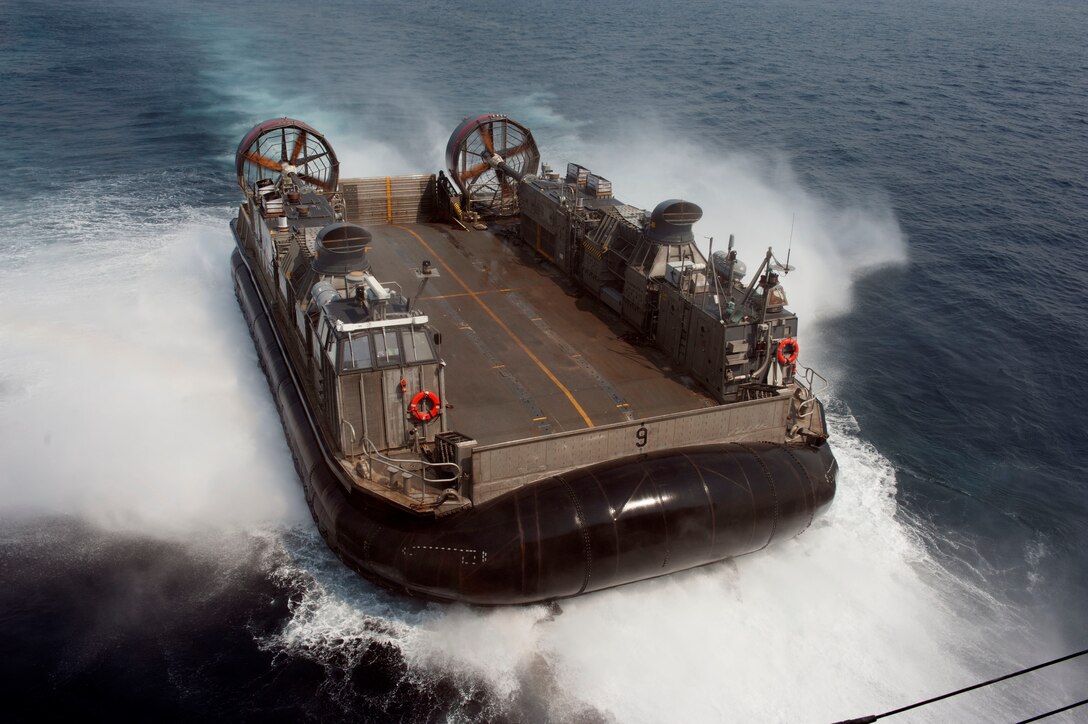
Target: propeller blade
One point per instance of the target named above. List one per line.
(515, 150)
(315, 181)
(474, 173)
(488, 138)
(300, 143)
(263, 162)
(306, 159)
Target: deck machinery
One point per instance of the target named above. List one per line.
(503, 385)
(646, 267)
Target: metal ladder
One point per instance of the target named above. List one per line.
(685, 322)
(603, 232)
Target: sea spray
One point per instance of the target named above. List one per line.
(132, 395)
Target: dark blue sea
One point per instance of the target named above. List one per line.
(926, 161)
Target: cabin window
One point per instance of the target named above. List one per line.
(777, 297)
(387, 348)
(357, 355)
(417, 347)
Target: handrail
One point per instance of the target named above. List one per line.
(353, 435)
(807, 382)
(399, 464)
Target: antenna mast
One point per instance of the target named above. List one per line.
(789, 248)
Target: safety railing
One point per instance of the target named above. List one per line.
(412, 467)
(808, 381)
(353, 436)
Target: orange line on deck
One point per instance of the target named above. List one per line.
(502, 325)
(467, 294)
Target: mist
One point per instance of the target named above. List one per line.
(130, 392)
(758, 199)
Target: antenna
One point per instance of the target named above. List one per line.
(713, 271)
(778, 265)
(789, 248)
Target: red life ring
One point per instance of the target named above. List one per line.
(788, 357)
(425, 414)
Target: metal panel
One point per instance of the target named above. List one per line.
(390, 199)
(669, 320)
(500, 468)
(593, 269)
(352, 412)
(634, 299)
(375, 416)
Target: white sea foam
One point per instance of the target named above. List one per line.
(130, 392)
(854, 617)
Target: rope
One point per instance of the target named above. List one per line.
(873, 717)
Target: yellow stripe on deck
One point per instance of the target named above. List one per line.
(502, 325)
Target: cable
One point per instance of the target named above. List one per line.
(873, 717)
(1082, 702)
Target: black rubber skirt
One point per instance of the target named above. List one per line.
(581, 531)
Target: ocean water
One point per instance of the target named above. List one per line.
(925, 160)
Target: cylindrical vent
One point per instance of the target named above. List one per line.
(323, 293)
(670, 222)
(722, 265)
(341, 248)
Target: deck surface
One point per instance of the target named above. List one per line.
(526, 354)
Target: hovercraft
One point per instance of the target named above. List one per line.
(502, 385)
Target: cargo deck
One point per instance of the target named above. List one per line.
(531, 355)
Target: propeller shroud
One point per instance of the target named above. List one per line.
(487, 156)
(286, 146)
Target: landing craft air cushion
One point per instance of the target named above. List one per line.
(505, 386)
